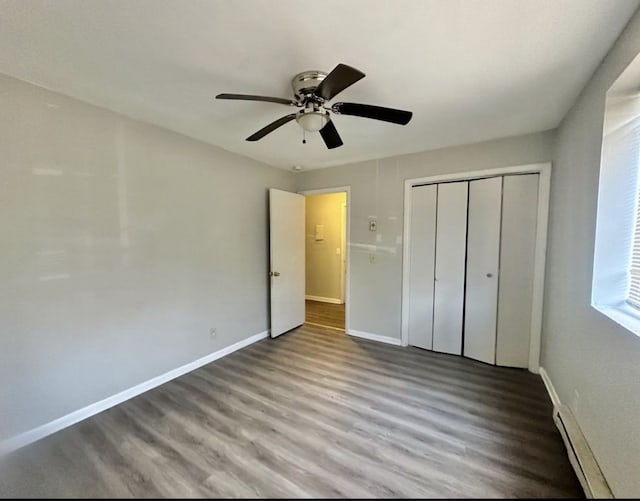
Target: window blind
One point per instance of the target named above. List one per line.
(633, 296)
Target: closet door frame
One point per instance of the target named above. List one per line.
(544, 180)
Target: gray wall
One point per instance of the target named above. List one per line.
(122, 245)
(377, 190)
(584, 351)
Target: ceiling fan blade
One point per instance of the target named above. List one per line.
(392, 115)
(330, 135)
(271, 127)
(249, 97)
(341, 77)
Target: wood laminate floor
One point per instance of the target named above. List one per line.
(324, 314)
(313, 413)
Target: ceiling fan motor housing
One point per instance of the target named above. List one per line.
(312, 117)
(304, 84)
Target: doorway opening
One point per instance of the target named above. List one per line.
(326, 253)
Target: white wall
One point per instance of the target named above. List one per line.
(583, 350)
(377, 190)
(121, 245)
(323, 264)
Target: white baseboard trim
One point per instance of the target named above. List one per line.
(324, 299)
(580, 455)
(375, 337)
(44, 430)
(555, 400)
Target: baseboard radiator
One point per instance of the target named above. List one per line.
(587, 470)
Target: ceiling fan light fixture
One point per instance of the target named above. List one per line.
(312, 121)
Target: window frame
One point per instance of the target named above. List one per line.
(617, 218)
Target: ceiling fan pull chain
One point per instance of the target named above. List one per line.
(304, 136)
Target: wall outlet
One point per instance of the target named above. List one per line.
(212, 332)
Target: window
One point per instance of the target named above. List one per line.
(633, 296)
(616, 268)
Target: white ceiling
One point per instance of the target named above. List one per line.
(470, 70)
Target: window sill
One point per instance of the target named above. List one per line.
(622, 314)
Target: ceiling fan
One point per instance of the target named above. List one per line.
(312, 92)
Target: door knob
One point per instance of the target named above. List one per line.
(489, 275)
(274, 274)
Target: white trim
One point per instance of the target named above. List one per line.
(580, 455)
(555, 400)
(544, 169)
(331, 300)
(343, 250)
(375, 337)
(539, 264)
(44, 430)
(479, 174)
(406, 268)
(623, 314)
(347, 286)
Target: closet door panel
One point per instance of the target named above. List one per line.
(483, 251)
(451, 235)
(517, 253)
(422, 252)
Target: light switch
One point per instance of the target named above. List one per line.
(319, 232)
(373, 225)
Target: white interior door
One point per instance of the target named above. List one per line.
(287, 260)
(422, 252)
(483, 253)
(451, 236)
(517, 256)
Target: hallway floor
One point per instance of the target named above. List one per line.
(324, 314)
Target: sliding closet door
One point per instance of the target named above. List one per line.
(451, 235)
(517, 253)
(422, 250)
(483, 254)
